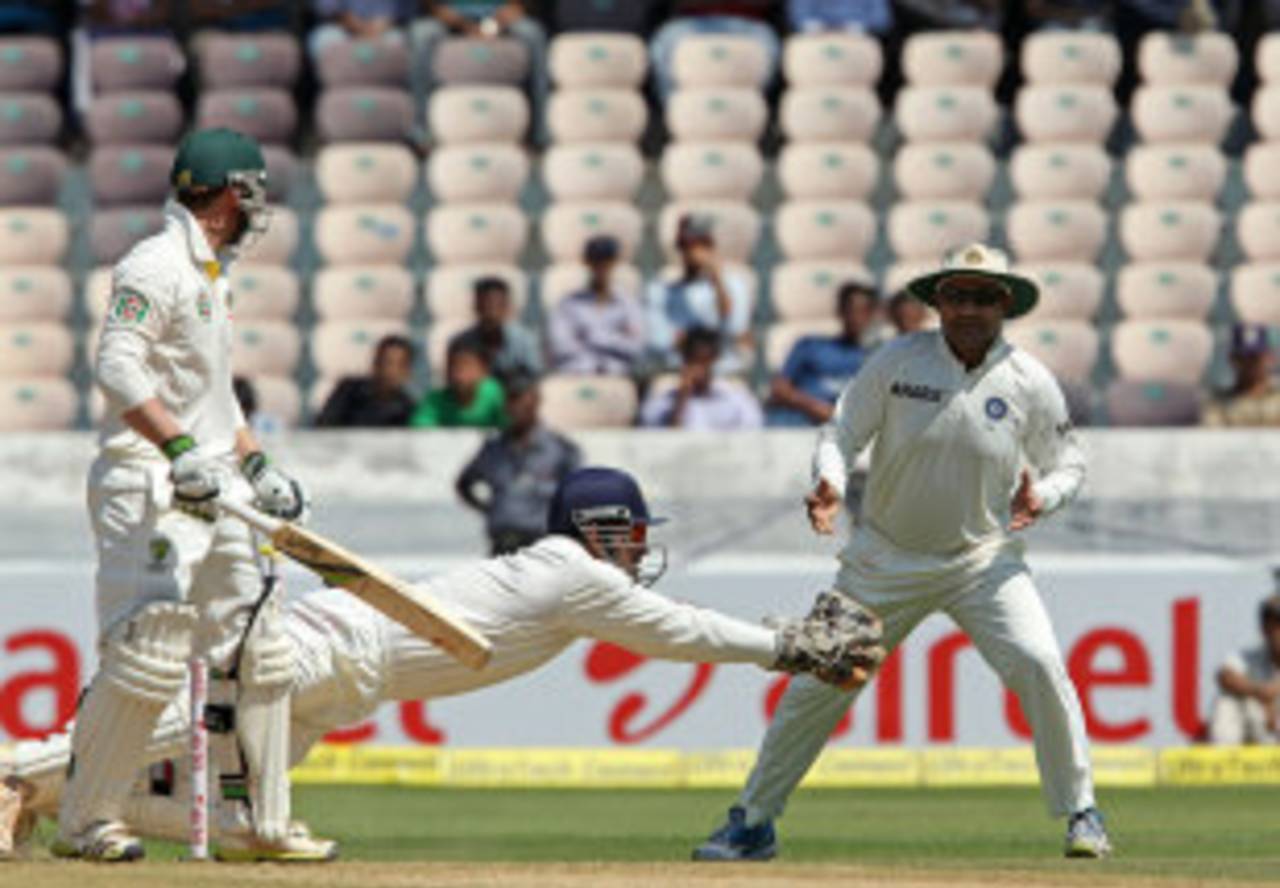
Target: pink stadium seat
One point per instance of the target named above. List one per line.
(363, 234)
(1161, 351)
(1068, 171)
(135, 62)
(1175, 172)
(441, 332)
(36, 349)
(1255, 293)
(828, 170)
(1056, 230)
(130, 118)
(598, 60)
(363, 63)
(563, 279)
(718, 113)
(37, 405)
(1170, 230)
(944, 171)
(1069, 291)
(33, 294)
(134, 174)
(1153, 404)
(229, 60)
(366, 172)
(32, 236)
(480, 60)
(952, 58)
(266, 113)
(278, 398)
(945, 113)
(608, 115)
(720, 60)
(737, 226)
(451, 290)
(1065, 113)
(29, 63)
(593, 171)
(478, 114)
(566, 227)
(478, 173)
(264, 292)
(363, 292)
(29, 118)
(468, 233)
(31, 175)
(926, 230)
(282, 167)
(829, 114)
(1261, 161)
(1162, 290)
(268, 348)
(112, 233)
(832, 59)
(711, 170)
(1068, 348)
(1267, 58)
(806, 290)
(345, 348)
(1071, 57)
(1188, 114)
(782, 337)
(1209, 57)
(588, 402)
(899, 274)
(1258, 230)
(366, 114)
(825, 229)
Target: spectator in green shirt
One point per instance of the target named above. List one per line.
(470, 398)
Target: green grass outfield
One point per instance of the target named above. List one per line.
(1229, 833)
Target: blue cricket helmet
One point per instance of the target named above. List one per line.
(597, 493)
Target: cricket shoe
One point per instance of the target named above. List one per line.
(103, 841)
(298, 846)
(1087, 835)
(17, 821)
(737, 841)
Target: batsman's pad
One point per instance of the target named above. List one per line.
(837, 642)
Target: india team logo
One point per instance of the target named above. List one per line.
(996, 408)
(130, 307)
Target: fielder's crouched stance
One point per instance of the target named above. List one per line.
(587, 579)
(952, 414)
(172, 578)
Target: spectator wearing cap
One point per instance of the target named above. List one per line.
(705, 294)
(693, 18)
(1254, 399)
(1247, 709)
(379, 400)
(819, 367)
(511, 479)
(700, 401)
(599, 329)
(470, 397)
(509, 348)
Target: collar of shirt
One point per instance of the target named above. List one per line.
(202, 255)
(999, 348)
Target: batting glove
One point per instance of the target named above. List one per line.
(197, 477)
(276, 493)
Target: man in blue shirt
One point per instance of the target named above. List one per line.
(816, 371)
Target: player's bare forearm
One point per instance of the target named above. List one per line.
(152, 420)
(1239, 685)
(246, 443)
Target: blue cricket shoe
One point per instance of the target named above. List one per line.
(1087, 835)
(737, 841)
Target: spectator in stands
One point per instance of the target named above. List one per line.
(509, 348)
(379, 400)
(1254, 399)
(1068, 14)
(1247, 709)
(25, 17)
(819, 367)
(520, 467)
(343, 20)
(704, 295)
(699, 401)
(871, 16)
(689, 18)
(907, 314)
(598, 329)
(470, 397)
(241, 15)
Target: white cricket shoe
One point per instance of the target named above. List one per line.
(103, 841)
(17, 822)
(1087, 835)
(299, 846)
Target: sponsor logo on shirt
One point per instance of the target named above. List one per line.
(996, 408)
(916, 392)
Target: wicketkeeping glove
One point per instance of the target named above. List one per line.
(275, 492)
(838, 642)
(197, 477)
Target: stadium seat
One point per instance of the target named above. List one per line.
(828, 170)
(1068, 348)
(277, 246)
(478, 173)
(347, 63)
(441, 332)
(1186, 114)
(926, 230)
(96, 292)
(1065, 113)
(228, 60)
(363, 234)
(467, 61)
(566, 227)
(1079, 171)
(1207, 57)
(130, 174)
(33, 293)
(265, 113)
(278, 398)
(705, 115)
(1175, 172)
(1267, 58)
(714, 60)
(345, 348)
(825, 229)
(944, 171)
(1161, 351)
(37, 405)
(711, 170)
(832, 59)
(563, 279)
(1265, 111)
(479, 114)
(113, 232)
(598, 60)
(1056, 230)
(128, 118)
(31, 175)
(1071, 57)
(1069, 291)
(1255, 293)
(368, 292)
(365, 114)
(899, 274)
(741, 270)
(1258, 230)
(366, 172)
(829, 114)
(605, 115)
(945, 113)
(282, 167)
(29, 118)
(451, 290)
(1153, 404)
(264, 292)
(477, 233)
(1081, 399)
(135, 62)
(1170, 230)
(736, 226)
(953, 58)
(1176, 290)
(570, 403)
(806, 290)
(1261, 161)
(781, 337)
(36, 349)
(268, 348)
(29, 63)
(593, 171)
(32, 236)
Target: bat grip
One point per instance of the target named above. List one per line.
(259, 521)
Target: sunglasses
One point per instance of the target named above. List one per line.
(985, 297)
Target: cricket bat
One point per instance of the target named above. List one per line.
(416, 610)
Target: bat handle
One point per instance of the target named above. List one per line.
(259, 521)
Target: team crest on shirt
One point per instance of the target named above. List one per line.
(130, 307)
(204, 306)
(996, 408)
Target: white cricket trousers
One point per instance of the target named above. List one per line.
(997, 605)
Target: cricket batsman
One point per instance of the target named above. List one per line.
(587, 579)
(954, 417)
(173, 578)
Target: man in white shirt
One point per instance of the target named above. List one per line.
(588, 578)
(1247, 709)
(955, 415)
(700, 401)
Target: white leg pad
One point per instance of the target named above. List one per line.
(262, 720)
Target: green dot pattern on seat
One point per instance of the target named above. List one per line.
(832, 161)
(824, 219)
(251, 337)
(480, 53)
(13, 55)
(1068, 100)
(593, 160)
(588, 393)
(248, 52)
(1057, 217)
(361, 337)
(955, 52)
(1059, 161)
(479, 162)
(946, 102)
(1275, 280)
(1160, 336)
(713, 159)
(1052, 278)
(1048, 337)
(590, 220)
(1182, 101)
(822, 278)
(1170, 218)
(484, 106)
(938, 218)
(13, 112)
(364, 53)
(130, 109)
(1182, 45)
(366, 104)
(22, 285)
(594, 106)
(1167, 278)
(1153, 391)
(833, 51)
(248, 283)
(365, 282)
(832, 104)
(944, 160)
(1071, 51)
(597, 53)
(719, 52)
(129, 54)
(17, 164)
(19, 225)
(131, 162)
(364, 163)
(247, 106)
(478, 222)
(1177, 161)
(717, 106)
(26, 394)
(379, 227)
(22, 339)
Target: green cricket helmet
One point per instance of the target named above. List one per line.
(223, 158)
